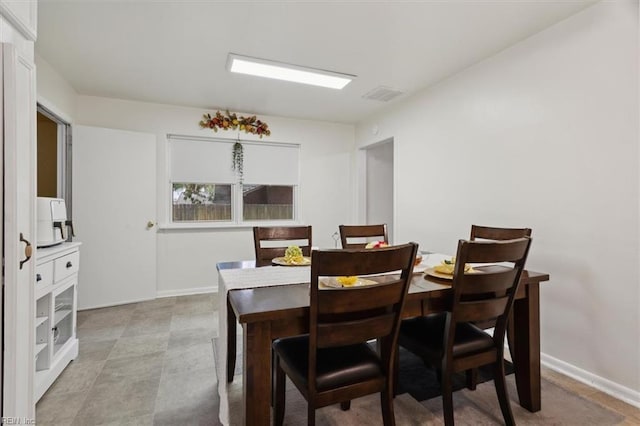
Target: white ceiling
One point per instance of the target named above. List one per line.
(175, 52)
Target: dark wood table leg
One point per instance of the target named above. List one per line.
(525, 344)
(231, 342)
(257, 374)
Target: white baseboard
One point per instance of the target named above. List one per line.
(616, 390)
(110, 305)
(160, 294)
(186, 291)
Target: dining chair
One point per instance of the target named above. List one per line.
(450, 341)
(334, 363)
(278, 239)
(495, 234)
(362, 232)
(498, 234)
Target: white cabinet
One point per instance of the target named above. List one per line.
(56, 343)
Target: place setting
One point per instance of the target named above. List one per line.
(293, 256)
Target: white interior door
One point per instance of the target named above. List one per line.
(114, 199)
(379, 185)
(18, 78)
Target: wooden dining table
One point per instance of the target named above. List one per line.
(268, 313)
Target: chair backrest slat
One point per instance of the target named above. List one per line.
(369, 297)
(361, 261)
(362, 232)
(481, 310)
(498, 234)
(481, 282)
(279, 238)
(478, 253)
(277, 233)
(355, 331)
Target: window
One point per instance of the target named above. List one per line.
(267, 202)
(204, 188)
(194, 202)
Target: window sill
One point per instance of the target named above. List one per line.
(168, 227)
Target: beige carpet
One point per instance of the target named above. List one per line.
(479, 407)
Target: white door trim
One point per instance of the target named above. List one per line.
(362, 185)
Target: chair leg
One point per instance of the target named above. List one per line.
(501, 391)
(511, 335)
(311, 414)
(345, 405)
(396, 371)
(279, 397)
(273, 378)
(447, 399)
(472, 378)
(386, 402)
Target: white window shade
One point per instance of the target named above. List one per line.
(209, 161)
(200, 161)
(271, 164)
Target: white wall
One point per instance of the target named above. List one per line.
(544, 135)
(187, 258)
(54, 92)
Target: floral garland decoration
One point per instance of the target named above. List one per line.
(233, 122)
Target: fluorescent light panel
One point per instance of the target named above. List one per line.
(281, 71)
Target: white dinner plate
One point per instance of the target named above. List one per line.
(306, 261)
(432, 273)
(420, 268)
(332, 282)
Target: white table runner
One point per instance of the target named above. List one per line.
(232, 279)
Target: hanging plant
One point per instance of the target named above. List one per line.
(237, 159)
(230, 121)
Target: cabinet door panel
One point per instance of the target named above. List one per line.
(19, 113)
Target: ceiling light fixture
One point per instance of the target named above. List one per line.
(281, 71)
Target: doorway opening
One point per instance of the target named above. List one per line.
(379, 185)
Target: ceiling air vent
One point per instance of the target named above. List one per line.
(383, 94)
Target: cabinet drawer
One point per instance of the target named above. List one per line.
(44, 274)
(66, 266)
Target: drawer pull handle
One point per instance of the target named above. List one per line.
(38, 277)
(69, 265)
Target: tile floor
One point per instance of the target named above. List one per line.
(148, 363)
(151, 363)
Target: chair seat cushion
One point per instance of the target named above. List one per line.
(336, 367)
(424, 336)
